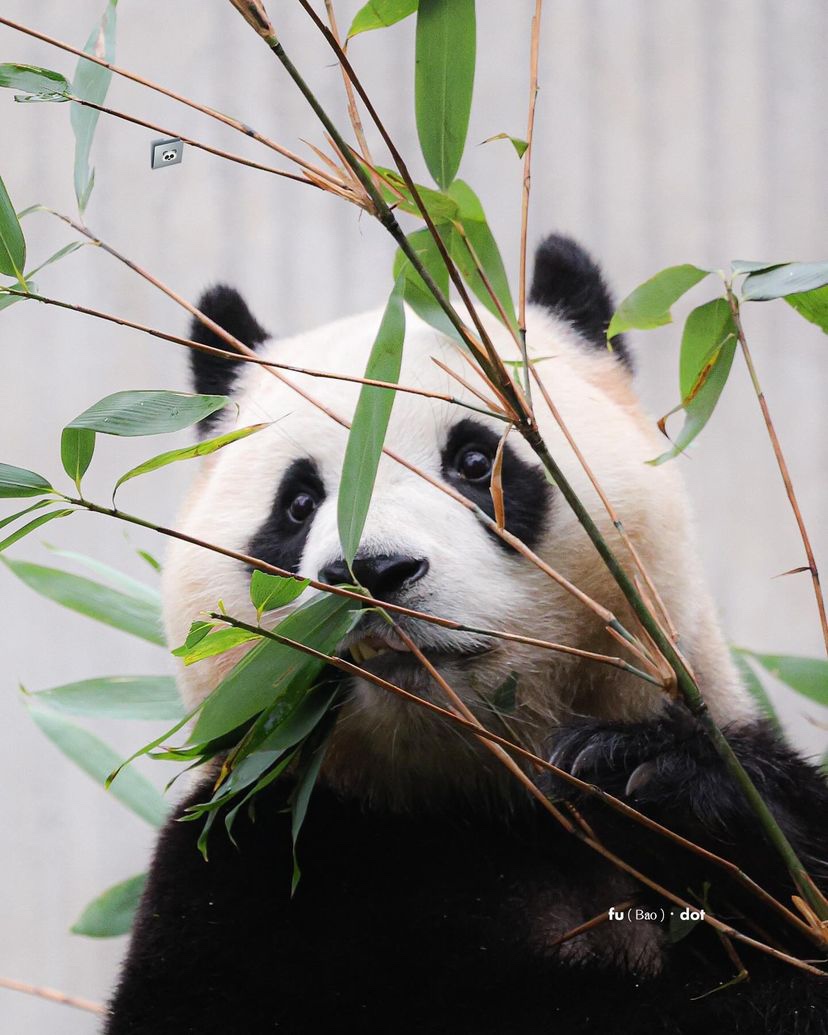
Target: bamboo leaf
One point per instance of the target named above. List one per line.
(17, 482)
(20, 513)
(133, 587)
(707, 348)
(148, 412)
(790, 279)
(444, 81)
(12, 242)
(43, 83)
(67, 249)
(271, 669)
(91, 83)
(115, 697)
(415, 292)
(807, 676)
(379, 14)
(649, 305)
(97, 760)
(129, 613)
(813, 305)
(210, 445)
(519, 145)
(113, 912)
(475, 241)
(31, 526)
(270, 592)
(369, 425)
(218, 642)
(77, 445)
(740, 266)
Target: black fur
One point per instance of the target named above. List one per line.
(427, 923)
(569, 282)
(526, 492)
(280, 541)
(213, 375)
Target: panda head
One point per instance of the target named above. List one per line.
(274, 496)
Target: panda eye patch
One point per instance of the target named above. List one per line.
(301, 507)
(474, 464)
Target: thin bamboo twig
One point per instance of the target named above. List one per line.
(590, 925)
(237, 357)
(227, 120)
(190, 141)
(481, 732)
(781, 463)
(353, 111)
(53, 995)
(526, 187)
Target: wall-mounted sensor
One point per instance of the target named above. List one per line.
(167, 152)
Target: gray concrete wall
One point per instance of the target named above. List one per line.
(667, 132)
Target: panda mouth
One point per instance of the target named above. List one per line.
(370, 647)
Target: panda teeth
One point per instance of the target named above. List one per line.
(364, 650)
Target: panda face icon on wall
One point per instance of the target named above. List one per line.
(274, 496)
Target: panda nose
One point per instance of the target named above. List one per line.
(382, 575)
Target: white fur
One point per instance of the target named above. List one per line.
(381, 742)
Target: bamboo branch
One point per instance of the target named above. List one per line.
(53, 995)
(781, 463)
(527, 183)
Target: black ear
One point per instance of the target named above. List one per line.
(213, 375)
(567, 281)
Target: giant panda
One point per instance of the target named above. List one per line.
(434, 889)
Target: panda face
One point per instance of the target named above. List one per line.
(274, 496)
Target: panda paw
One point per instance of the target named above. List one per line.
(669, 769)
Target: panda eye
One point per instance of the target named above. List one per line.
(301, 507)
(473, 464)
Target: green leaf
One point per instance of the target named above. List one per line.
(379, 14)
(204, 448)
(119, 579)
(396, 192)
(17, 482)
(97, 760)
(476, 233)
(148, 412)
(443, 83)
(504, 699)
(813, 305)
(415, 292)
(67, 249)
(310, 762)
(7, 299)
(679, 926)
(807, 676)
(42, 82)
(115, 697)
(271, 669)
(369, 425)
(113, 912)
(91, 83)
(519, 145)
(31, 526)
(12, 242)
(790, 279)
(740, 266)
(77, 446)
(707, 347)
(218, 642)
(754, 686)
(649, 305)
(129, 613)
(153, 562)
(20, 513)
(270, 592)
